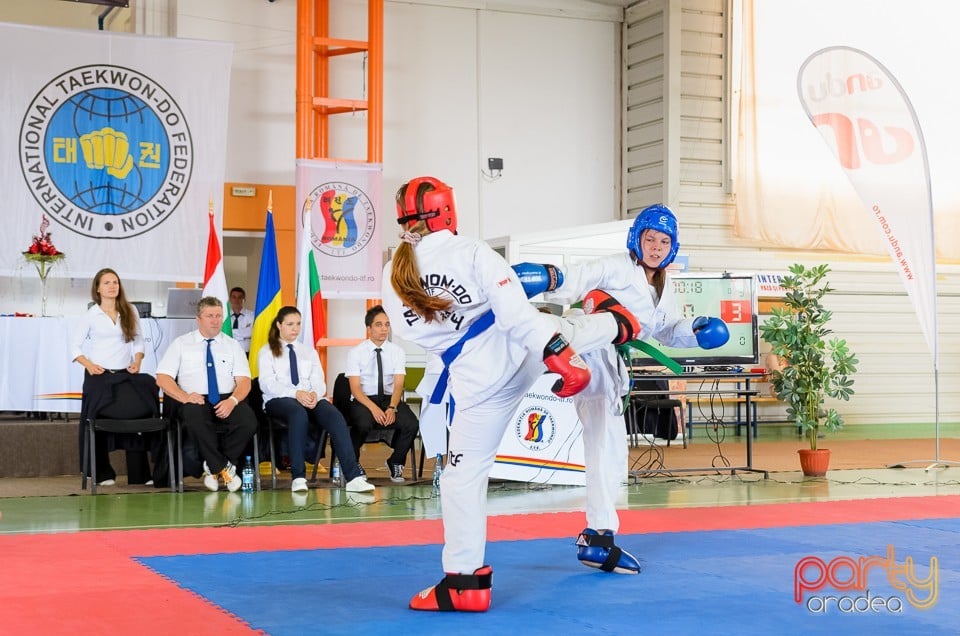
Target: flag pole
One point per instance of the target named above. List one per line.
(936, 461)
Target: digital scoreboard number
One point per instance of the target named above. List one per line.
(733, 299)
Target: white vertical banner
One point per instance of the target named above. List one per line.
(339, 198)
(866, 118)
(119, 140)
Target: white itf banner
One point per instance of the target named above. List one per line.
(120, 141)
(543, 442)
(340, 200)
(866, 118)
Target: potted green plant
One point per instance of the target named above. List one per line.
(815, 367)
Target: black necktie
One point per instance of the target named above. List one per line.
(379, 374)
(213, 391)
(294, 372)
(236, 321)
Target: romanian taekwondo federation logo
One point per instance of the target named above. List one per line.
(106, 151)
(535, 428)
(347, 218)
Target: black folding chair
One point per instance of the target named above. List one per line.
(127, 413)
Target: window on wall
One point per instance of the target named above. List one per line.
(791, 190)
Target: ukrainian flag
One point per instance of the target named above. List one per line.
(268, 294)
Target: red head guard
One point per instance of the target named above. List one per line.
(427, 199)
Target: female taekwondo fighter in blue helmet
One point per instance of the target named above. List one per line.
(638, 280)
(457, 298)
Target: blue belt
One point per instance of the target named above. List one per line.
(479, 325)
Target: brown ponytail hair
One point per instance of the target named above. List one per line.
(659, 281)
(405, 274)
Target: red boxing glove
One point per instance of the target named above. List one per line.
(560, 358)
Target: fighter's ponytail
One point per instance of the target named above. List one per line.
(405, 278)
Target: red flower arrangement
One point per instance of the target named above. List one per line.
(42, 248)
(44, 256)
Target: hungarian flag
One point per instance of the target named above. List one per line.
(309, 299)
(268, 294)
(214, 280)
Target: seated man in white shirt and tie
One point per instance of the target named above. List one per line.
(376, 368)
(241, 318)
(208, 373)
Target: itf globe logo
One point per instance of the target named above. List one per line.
(106, 151)
(347, 218)
(535, 428)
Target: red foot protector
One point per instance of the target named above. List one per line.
(457, 593)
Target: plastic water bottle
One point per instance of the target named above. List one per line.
(335, 475)
(247, 475)
(437, 471)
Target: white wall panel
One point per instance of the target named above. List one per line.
(549, 105)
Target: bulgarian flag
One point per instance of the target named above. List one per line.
(214, 280)
(309, 299)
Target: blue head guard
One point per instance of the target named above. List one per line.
(655, 217)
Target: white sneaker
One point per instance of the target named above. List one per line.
(299, 485)
(210, 481)
(359, 484)
(230, 477)
(107, 482)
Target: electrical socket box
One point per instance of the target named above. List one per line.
(495, 163)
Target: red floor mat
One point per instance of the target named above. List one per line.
(87, 583)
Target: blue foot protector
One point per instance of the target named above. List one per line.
(597, 550)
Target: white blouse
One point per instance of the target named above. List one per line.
(100, 339)
(275, 381)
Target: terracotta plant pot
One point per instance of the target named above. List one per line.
(814, 463)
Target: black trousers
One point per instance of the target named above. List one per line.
(405, 427)
(100, 398)
(219, 440)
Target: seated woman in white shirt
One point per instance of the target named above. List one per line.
(108, 341)
(293, 391)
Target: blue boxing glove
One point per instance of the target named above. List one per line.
(537, 278)
(710, 332)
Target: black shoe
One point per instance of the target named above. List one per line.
(396, 472)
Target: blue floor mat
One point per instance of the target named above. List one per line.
(719, 582)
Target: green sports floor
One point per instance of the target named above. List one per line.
(56, 504)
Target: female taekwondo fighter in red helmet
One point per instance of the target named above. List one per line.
(638, 280)
(459, 299)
